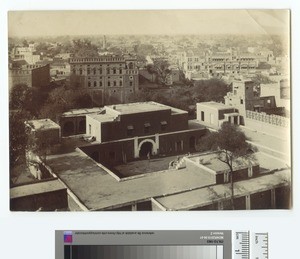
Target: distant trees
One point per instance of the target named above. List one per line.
(185, 96)
(144, 50)
(161, 68)
(17, 135)
(231, 143)
(84, 48)
(209, 90)
(26, 98)
(62, 99)
(261, 79)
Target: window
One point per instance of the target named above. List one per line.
(90, 129)
(121, 83)
(88, 71)
(114, 71)
(89, 84)
(100, 83)
(100, 70)
(130, 83)
(94, 71)
(202, 115)
(95, 83)
(242, 101)
(107, 70)
(147, 127)
(80, 71)
(163, 125)
(120, 70)
(108, 83)
(130, 130)
(115, 83)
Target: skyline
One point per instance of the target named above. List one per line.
(147, 22)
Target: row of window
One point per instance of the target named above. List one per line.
(147, 127)
(109, 83)
(100, 71)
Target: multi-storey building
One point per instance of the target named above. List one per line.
(222, 63)
(108, 78)
(31, 75)
(25, 53)
(136, 129)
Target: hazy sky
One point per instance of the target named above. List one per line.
(54, 23)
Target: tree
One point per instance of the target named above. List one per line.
(231, 143)
(27, 98)
(25, 43)
(85, 49)
(17, 136)
(162, 70)
(62, 99)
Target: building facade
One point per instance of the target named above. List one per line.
(108, 78)
(134, 130)
(217, 63)
(213, 114)
(31, 75)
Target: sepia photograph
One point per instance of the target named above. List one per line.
(149, 110)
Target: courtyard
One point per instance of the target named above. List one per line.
(146, 166)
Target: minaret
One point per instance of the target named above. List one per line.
(104, 42)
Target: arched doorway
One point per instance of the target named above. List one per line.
(68, 128)
(81, 126)
(145, 149)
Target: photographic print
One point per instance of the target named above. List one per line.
(146, 110)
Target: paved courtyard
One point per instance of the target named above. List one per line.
(144, 166)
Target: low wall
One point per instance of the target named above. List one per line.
(270, 124)
(267, 128)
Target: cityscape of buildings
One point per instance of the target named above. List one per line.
(126, 143)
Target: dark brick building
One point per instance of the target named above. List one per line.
(129, 131)
(108, 78)
(31, 75)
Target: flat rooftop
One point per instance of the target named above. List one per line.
(42, 124)
(78, 112)
(98, 190)
(36, 188)
(215, 105)
(204, 196)
(213, 162)
(102, 117)
(141, 107)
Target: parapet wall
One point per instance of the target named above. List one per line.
(268, 119)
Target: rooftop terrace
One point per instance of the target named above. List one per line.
(216, 105)
(98, 190)
(42, 124)
(141, 107)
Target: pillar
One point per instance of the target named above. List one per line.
(136, 147)
(273, 199)
(134, 207)
(156, 148)
(248, 202)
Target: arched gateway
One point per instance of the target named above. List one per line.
(145, 147)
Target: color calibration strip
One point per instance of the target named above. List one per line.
(143, 252)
